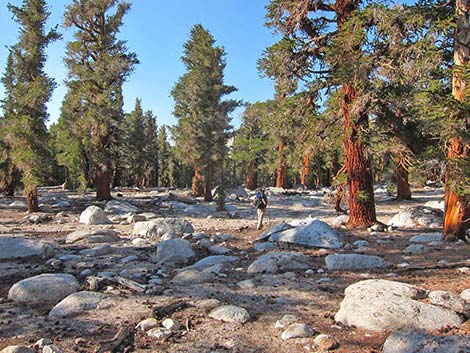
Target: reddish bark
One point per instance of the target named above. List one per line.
(456, 208)
(305, 175)
(103, 180)
(198, 183)
(403, 185)
(251, 180)
(32, 199)
(358, 165)
(281, 180)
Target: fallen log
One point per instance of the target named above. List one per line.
(441, 266)
(161, 312)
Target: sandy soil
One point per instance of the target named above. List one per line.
(315, 297)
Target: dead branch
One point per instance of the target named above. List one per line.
(122, 335)
(435, 266)
(160, 312)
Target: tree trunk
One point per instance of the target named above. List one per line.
(403, 185)
(12, 178)
(305, 175)
(103, 179)
(208, 184)
(32, 199)
(198, 183)
(281, 180)
(319, 174)
(252, 176)
(334, 165)
(358, 165)
(457, 207)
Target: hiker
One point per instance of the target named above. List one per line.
(261, 202)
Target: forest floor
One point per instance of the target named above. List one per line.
(314, 297)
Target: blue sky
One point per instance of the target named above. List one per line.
(156, 30)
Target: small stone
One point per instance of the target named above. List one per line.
(159, 333)
(297, 331)
(218, 250)
(139, 242)
(286, 320)
(127, 259)
(192, 277)
(51, 349)
(86, 273)
(147, 324)
(464, 270)
(100, 250)
(450, 301)
(360, 243)
(326, 343)
(198, 236)
(41, 343)
(248, 283)
(156, 281)
(204, 243)
(465, 295)
(230, 313)
(403, 265)
(80, 341)
(417, 249)
(17, 349)
(170, 324)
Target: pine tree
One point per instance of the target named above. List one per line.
(203, 117)
(165, 160)
(327, 47)
(133, 146)
(98, 63)
(10, 175)
(151, 150)
(71, 142)
(28, 89)
(252, 141)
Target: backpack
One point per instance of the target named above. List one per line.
(258, 202)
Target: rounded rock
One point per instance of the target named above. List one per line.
(230, 313)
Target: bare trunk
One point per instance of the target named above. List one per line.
(319, 174)
(252, 176)
(12, 179)
(358, 165)
(208, 184)
(403, 185)
(457, 207)
(333, 166)
(103, 179)
(281, 180)
(305, 175)
(32, 199)
(198, 183)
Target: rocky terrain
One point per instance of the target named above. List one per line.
(160, 271)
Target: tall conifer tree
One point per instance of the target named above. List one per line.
(203, 117)
(28, 89)
(314, 47)
(98, 63)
